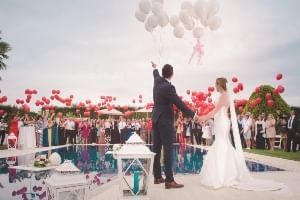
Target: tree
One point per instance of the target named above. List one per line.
(258, 102)
(4, 48)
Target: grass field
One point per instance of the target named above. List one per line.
(277, 153)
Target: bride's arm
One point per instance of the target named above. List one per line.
(222, 101)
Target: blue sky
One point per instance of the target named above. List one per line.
(97, 47)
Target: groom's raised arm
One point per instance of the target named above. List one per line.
(155, 71)
(174, 98)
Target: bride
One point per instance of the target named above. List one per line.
(224, 165)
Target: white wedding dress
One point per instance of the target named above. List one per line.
(224, 165)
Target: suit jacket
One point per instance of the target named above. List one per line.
(164, 96)
(294, 124)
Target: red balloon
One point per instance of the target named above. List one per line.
(234, 79)
(258, 100)
(275, 91)
(278, 77)
(268, 96)
(280, 89)
(34, 92)
(26, 108)
(4, 98)
(235, 90)
(86, 114)
(240, 86)
(270, 103)
(241, 109)
(211, 89)
(257, 90)
(71, 96)
(253, 104)
(60, 114)
(2, 112)
(209, 100)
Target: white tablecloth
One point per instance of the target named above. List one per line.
(27, 138)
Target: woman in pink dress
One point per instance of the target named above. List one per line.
(85, 131)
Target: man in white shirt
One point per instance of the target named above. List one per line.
(292, 128)
(122, 130)
(70, 134)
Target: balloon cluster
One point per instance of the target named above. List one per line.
(268, 96)
(152, 14)
(201, 101)
(196, 17)
(239, 86)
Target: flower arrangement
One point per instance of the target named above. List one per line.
(41, 161)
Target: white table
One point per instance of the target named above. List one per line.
(27, 137)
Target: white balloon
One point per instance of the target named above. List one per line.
(200, 10)
(184, 17)
(159, 1)
(174, 20)
(214, 23)
(213, 7)
(187, 5)
(163, 20)
(145, 6)
(189, 26)
(198, 32)
(178, 31)
(139, 15)
(55, 159)
(157, 8)
(152, 21)
(148, 27)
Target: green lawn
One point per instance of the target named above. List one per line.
(277, 153)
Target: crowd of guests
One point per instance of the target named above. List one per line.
(262, 132)
(51, 130)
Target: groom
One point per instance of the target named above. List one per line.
(164, 96)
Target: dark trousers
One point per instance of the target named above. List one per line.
(163, 135)
(291, 136)
(194, 134)
(122, 136)
(72, 136)
(2, 135)
(244, 145)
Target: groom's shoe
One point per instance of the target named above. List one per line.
(159, 180)
(173, 184)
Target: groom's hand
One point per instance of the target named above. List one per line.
(153, 65)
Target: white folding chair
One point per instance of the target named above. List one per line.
(277, 143)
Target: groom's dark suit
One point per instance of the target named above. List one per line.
(164, 96)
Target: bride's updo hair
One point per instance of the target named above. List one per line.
(222, 82)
